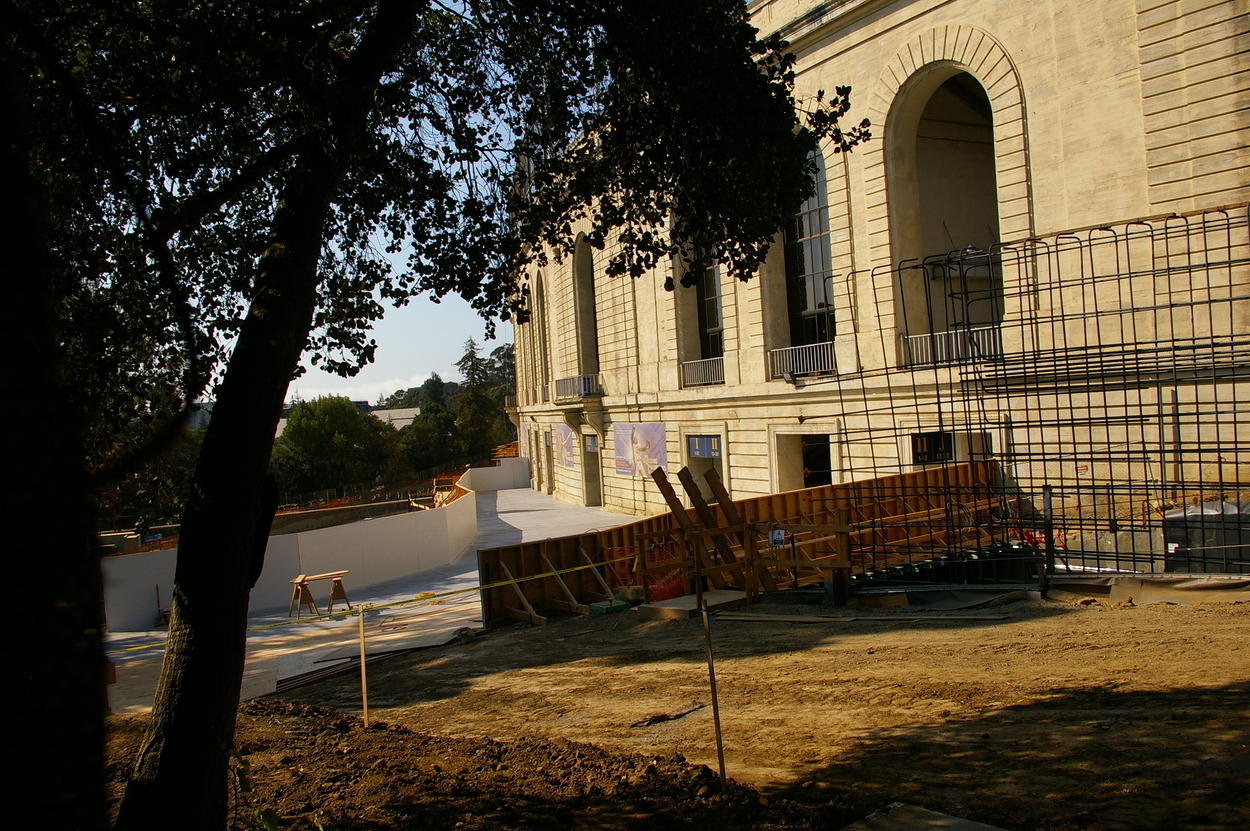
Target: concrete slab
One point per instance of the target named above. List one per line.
(903, 817)
(279, 647)
(687, 605)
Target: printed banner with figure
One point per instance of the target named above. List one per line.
(640, 449)
(564, 439)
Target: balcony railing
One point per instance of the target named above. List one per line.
(509, 401)
(812, 359)
(703, 373)
(577, 388)
(957, 346)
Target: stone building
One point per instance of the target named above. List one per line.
(1039, 258)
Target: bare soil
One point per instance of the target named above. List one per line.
(1063, 715)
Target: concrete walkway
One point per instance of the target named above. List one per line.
(521, 515)
(280, 647)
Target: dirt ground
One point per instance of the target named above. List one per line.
(1058, 716)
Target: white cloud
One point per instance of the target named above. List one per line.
(319, 384)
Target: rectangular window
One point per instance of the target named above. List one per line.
(703, 447)
(591, 443)
(809, 267)
(711, 328)
(931, 448)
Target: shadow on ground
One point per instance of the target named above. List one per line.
(621, 640)
(1168, 759)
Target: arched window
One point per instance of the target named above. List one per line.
(944, 219)
(540, 335)
(584, 295)
(958, 201)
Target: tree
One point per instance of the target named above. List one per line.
(410, 397)
(435, 389)
(432, 391)
(479, 416)
(214, 212)
(503, 368)
(59, 702)
(155, 493)
(337, 443)
(429, 439)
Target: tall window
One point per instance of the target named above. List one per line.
(584, 294)
(539, 333)
(711, 326)
(809, 283)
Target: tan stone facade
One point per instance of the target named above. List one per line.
(1078, 347)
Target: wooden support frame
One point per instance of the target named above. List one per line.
(686, 524)
(746, 540)
(894, 520)
(529, 615)
(594, 570)
(720, 546)
(573, 604)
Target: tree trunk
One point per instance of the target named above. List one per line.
(54, 574)
(180, 777)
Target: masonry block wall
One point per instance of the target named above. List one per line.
(1071, 117)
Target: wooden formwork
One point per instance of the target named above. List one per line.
(828, 532)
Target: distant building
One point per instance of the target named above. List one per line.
(399, 417)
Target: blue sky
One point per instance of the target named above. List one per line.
(413, 341)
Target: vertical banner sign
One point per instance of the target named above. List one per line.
(640, 449)
(565, 438)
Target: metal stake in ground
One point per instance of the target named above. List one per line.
(364, 681)
(711, 664)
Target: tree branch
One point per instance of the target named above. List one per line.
(170, 221)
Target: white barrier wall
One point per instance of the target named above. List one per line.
(377, 550)
(130, 584)
(373, 550)
(282, 562)
(507, 474)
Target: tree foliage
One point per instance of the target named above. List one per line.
(479, 416)
(329, 443)
(172, 127)
(156, 492)
(231, 185)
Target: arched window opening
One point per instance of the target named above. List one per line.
(540, 335)
(955, 161)
(946, 222)
(587, 322)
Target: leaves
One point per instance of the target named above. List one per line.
(489, 132)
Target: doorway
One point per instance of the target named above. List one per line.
(592, 476)
(804, 461)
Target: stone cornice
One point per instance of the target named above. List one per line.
(821, 19)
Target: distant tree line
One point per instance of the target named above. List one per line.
(332, 444)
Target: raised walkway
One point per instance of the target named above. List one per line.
(287, 649)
